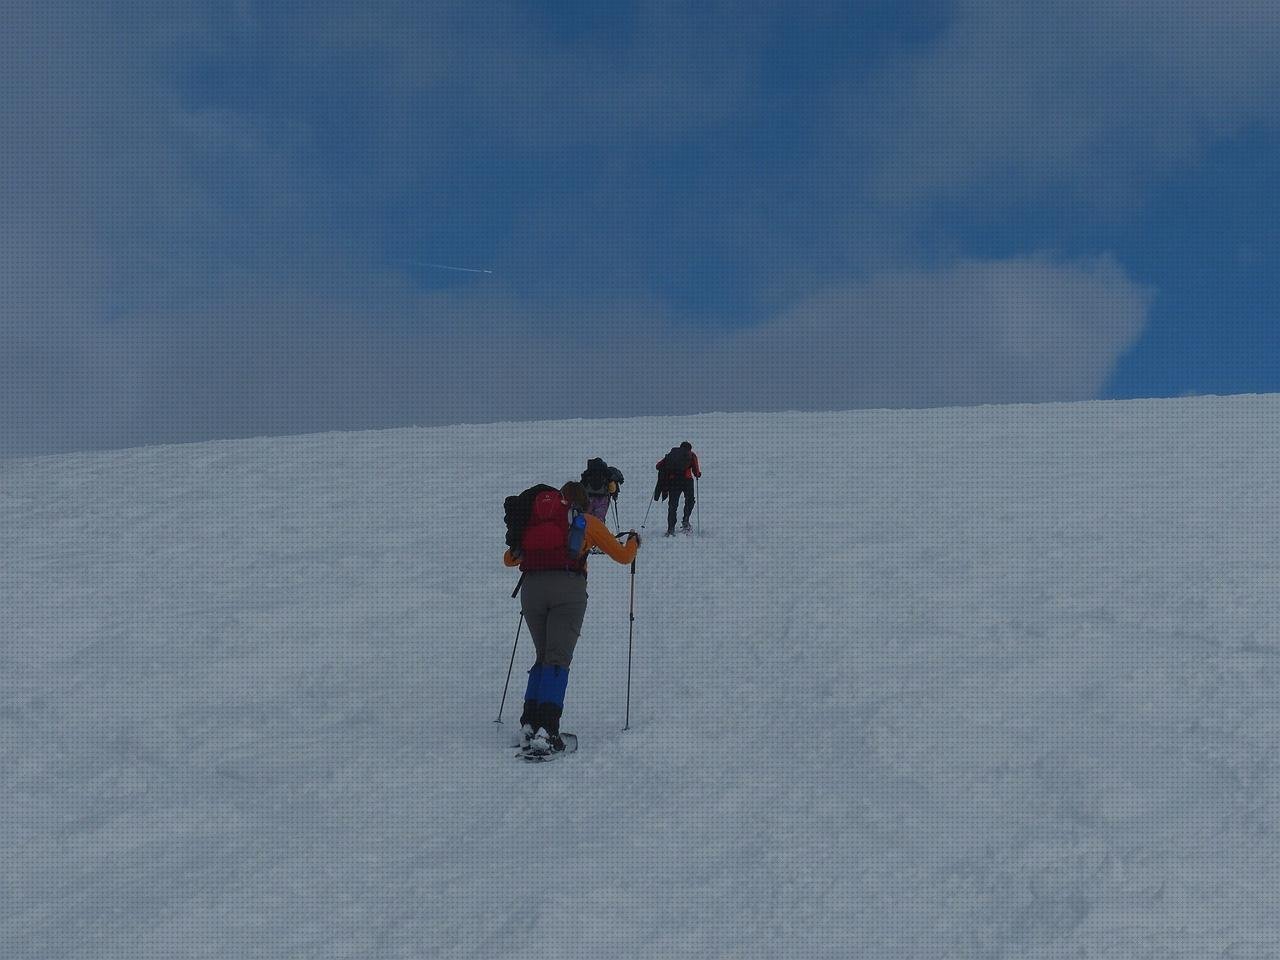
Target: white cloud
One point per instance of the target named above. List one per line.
(1022, 330)
(1095, 95)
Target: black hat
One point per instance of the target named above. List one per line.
(686, 445)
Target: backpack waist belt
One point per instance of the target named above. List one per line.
(553, 560)
(577, 573)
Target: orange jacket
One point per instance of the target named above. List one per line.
(597, 535)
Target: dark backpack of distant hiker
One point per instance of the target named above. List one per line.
(601, 480)
(596, 478)
(670, 468)
(544, 531)
(676, 462)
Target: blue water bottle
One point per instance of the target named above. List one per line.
(577, 532)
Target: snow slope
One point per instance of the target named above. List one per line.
(971, 683)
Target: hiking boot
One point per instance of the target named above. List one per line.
(686, 526)
(549, 719)
(540, 742)
(671, 532)
(555, 742)
(527, 733)
(528, 722)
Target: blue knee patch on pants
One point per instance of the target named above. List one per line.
(555, 680)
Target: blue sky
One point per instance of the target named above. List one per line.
(217, 218)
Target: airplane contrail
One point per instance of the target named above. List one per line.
(445, 266)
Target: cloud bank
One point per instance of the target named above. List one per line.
(210, 210)
(977, 332)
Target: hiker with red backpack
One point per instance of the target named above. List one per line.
(675, 477)
(549, 540)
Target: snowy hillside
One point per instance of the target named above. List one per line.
(972, 683)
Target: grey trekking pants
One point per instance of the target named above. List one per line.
(554, 603)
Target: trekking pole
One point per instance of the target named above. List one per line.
(697, 502)
(646, 514)
(503, 704)
(616, 522)
(516, 643)
(626, 725)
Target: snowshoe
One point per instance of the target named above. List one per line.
(547, 747)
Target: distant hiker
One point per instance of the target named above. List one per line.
(601, 482)
(675, 477)
(549, 541)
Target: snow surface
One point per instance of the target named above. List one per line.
(967, 683)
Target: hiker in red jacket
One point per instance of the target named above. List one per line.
(675, 477)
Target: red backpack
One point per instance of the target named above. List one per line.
(553, 537)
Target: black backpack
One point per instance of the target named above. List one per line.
(516, 512)
(596, 477)
(676, 462)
